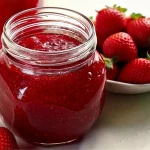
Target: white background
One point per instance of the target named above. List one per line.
(88, 7)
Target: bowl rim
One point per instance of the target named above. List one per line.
(128, 84)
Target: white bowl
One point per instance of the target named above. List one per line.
(126, 88)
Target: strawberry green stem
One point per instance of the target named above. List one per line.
(121, 9)
(115, 6)
(109, 62)
(136, 16)
(148, 55)
(91, 18)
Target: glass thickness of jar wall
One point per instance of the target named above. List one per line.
(50, 96)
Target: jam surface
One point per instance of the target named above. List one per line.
(46, 108)
(49, 42)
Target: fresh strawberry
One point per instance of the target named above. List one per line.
(137, 71)
(139, 29)
(111, 68)
(109, 21)
(112, 73)
(121, 45)
(7, 139)
(128, 19)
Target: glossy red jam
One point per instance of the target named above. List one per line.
(10, 7)
(51, 108)
(49, 42)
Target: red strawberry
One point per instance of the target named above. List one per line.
(121, 45)
(128, 19)
(139, 29)
(137, 71)
(7, 139)
(112, 73)
(111, 68)
(108, 22)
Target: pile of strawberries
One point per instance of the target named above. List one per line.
(124, 43)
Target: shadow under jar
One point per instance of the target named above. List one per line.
(52, 79)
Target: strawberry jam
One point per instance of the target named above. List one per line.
(49, 42)
(56, 98)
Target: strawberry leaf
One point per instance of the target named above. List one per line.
(148, 52)
(91, 18)
(136, 16)
(109, 62)
(114, 59)
(148, 55)
(123, 10)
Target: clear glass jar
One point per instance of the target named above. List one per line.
(50, 97)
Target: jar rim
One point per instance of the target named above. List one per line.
(7, 24)
(55, 20)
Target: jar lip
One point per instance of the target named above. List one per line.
(8, 23)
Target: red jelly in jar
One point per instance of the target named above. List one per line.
(52, 79)
(11, 7)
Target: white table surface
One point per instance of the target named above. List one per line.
(125, 121)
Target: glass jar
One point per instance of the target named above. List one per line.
(50, 97)
(10, 7)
